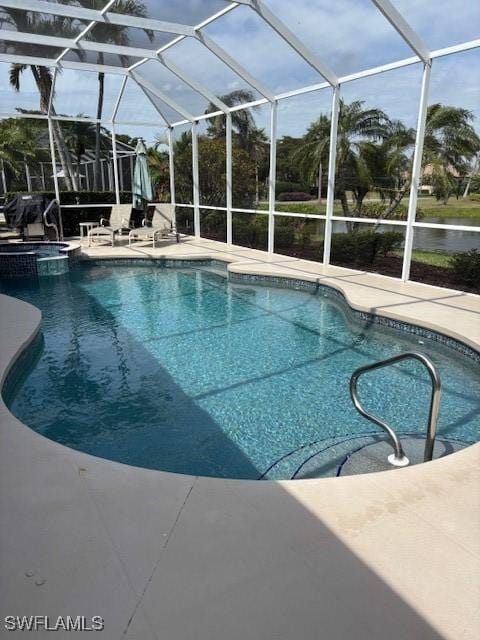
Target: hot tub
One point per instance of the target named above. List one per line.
(37, 258)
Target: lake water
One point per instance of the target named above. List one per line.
(437, 239)
(444, 240)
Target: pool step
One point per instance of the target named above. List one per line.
(353, 455)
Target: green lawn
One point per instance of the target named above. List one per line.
(430, 206)
(453, 209)
(433, 258)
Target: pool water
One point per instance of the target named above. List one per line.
(181, 370)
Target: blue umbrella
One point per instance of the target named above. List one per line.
(142, 182)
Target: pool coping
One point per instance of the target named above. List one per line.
(108, 520)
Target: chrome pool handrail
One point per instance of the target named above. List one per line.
(51, 225)
(398, 458)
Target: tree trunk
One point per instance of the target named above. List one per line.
(257, 188)
(344, 203)
(469, 181)
(101, 87)
(79, 180)
(396, 200)
(320, 172)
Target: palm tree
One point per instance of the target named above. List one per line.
(33, 22)
(312, 155)
(17, 145)
(158, 161)
(242, 120)
(79, 136)
(110, 34)
(256, 147)
(356, 127)
(451, 143)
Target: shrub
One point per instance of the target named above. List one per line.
(284, 236)
(294, 196)
(295, 207)
(377, 209)
(362, 247)
(389, 241)
(284, 187)
(213, 224)
(475, 184)
(466, 267)
(250, 230)
(474, 197)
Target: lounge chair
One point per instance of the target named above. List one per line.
(161, 227)
(120, 216)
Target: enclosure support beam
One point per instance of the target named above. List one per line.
(55, 177)
(115, 166)
(171, 167)
(105, 16)
(416, 170)
(54, 162)
(119, 98)
(196, 190)
(272, 177)
(332, 161)
(228, 129)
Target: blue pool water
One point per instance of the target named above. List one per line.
(181, 370)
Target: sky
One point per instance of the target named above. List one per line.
(347, 35)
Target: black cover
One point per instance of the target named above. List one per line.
(27, 209)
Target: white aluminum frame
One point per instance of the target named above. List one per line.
(272, 176)
(332, 159)
(195, 175)
(416, 171)
(182, 31)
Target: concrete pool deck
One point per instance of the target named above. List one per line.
(174, 557)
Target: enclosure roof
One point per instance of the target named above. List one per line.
(182, 56)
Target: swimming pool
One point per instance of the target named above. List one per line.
(182, 370)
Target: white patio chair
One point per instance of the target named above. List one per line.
(162, 227)
(120, 217)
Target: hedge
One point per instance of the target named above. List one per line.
(282, 186)
(362, 247)
(294, 196)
